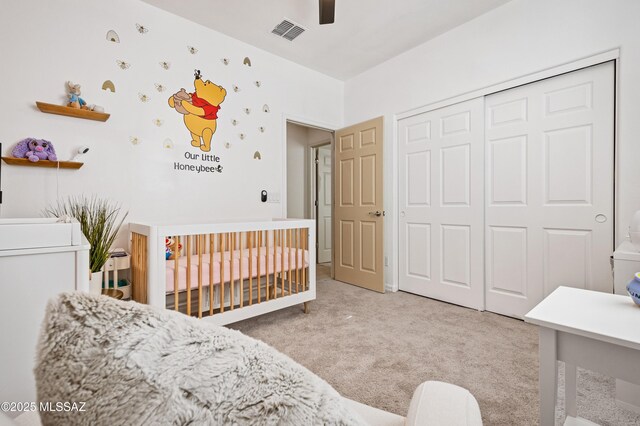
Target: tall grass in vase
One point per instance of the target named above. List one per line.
(100, 220)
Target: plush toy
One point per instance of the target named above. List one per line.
(75, 101)
(170, 247)
(35, 150)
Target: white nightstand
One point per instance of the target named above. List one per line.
(113, 265)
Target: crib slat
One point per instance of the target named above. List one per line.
(188, 254)
(221, 248)
(176, 276)
(280, 244)
(211, 288)
(275, 258)
(297, 235)
(232, 249)
(266, 275)
(304, 269)
(250, 237)
(289, 251)
(259, 265)
(241, 277)
(199, 248)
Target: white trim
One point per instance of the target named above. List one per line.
(394, 285)
(514, 82)
(609, 55)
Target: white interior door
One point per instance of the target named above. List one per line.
(441, 155)
(549, 180)
(324, 203)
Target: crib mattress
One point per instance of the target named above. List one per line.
(241, 262)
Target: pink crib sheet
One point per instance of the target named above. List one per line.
(240, 262)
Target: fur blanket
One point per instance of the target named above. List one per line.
(132, 364)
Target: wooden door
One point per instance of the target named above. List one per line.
(441, 204)
(549, 203)
(358, 212)
(323, 200)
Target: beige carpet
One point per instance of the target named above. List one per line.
(377, 348)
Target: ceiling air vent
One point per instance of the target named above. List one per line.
(288, 29)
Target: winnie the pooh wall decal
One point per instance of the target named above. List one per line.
(200, 110)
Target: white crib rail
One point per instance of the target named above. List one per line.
(286, 278)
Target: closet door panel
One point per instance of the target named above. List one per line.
(441, 204)
(549, 156)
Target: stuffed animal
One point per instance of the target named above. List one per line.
(35, 150)
(75, 101)
(170, 246)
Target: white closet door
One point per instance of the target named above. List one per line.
(549, 188)
(441, 155)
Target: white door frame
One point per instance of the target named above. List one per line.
(306, 122)
(313, 190)
(609, 55)
(302, 121)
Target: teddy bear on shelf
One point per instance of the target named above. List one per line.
(75, 101)
(171, 245)
(34, 150)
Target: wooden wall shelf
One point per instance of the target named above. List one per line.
(42, 163)
(72, 112)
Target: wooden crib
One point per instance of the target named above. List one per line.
(224, 272)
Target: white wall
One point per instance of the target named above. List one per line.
(44, 43)
(299, 139)
(519, 38)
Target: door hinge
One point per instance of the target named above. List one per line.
(317, 161)
(315, 203)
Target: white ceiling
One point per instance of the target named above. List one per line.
(365, 33)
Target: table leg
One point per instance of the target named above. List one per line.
(570, 390)
(548, 376)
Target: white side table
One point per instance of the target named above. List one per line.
(115, 264)
(593, 330)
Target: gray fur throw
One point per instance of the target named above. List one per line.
(135, 365)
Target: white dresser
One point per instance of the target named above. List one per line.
(39, 258)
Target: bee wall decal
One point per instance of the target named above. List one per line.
(168, 143)
(247, 61)
(143, 97)
(122, 64)
(225, 61)
(134, 140)
(227, 145)
(265, 108)
(234, 122)
(165, 65)
(142, 29)
(160, 88)
(247, 111)
(262, 129)
(257, 155)
(236, 88)
(257, 83)
(158, 122)
(242, 136)
(192, 50)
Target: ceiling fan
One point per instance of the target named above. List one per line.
(327, 11)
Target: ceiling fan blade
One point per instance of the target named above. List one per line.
(327, 11)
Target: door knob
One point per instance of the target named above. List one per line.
(376, 213)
